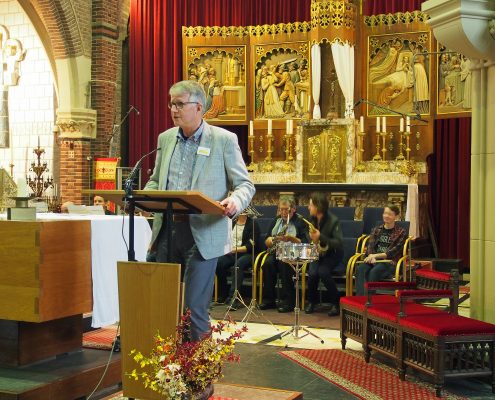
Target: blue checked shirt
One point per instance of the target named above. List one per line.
(183, 160)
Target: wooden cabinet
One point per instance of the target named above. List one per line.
(45, 269)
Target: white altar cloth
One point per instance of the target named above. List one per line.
(107, 248)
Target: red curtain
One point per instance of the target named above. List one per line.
(374, 7)
(449, 172)
(155, 54)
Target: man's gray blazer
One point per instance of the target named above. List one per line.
(214, 175)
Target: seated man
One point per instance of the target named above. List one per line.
(286, 227)
(242, 247)
(100, 201)
(386, 242)
(328, 235)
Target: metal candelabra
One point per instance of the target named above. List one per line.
(39, 183)
(268, 166)
(288, 165)
(252, 165)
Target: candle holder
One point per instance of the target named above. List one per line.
(11, 166)
(383, 166)
(361, 167)
(53, 203)
(288, 167)
(377, 156)
(383, 136)
(408, 145)
(268, 166)
(39, 183)
(252, 166)
(401, 157)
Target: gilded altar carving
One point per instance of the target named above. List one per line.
(388, 20)
(225, 32)
(8, 190)
(221, 70)
(333, 21)
(453, 89)
(399, 76)
(324, 153)
(314, 158)
(281, 80)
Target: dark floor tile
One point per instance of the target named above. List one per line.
(264, 366)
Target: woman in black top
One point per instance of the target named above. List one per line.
(329, 236)
(386, 242)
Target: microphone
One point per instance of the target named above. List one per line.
(358, 103)
(132, 175)
(135, 109)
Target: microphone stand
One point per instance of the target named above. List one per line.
(237, 294)
(416, 117)
(118, 126)
(253, 306)
(129, 198)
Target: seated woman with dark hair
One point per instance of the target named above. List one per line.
(385, 243)
(327, 233)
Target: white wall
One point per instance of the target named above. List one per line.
(31, 102)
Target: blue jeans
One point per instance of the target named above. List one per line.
(198, 275)
(371, 273)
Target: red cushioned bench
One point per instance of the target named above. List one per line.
(438, 343)
(352, 320)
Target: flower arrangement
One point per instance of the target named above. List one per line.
(177, 367)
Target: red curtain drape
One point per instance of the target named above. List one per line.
(374, 7)
(449, 175)
(155, 54)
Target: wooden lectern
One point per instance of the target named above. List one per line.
(149, 293)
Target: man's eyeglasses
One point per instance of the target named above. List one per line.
(180, 105)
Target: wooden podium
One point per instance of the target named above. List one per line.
(150, 293)
(149, 298)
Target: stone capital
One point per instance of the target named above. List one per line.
(77, 123)
(463, 25)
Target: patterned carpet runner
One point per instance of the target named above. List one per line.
(101, 339)
(348, 370)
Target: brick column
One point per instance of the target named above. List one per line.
(106, 62)
(75, 169)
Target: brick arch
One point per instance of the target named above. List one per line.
(68, 24)
(82, 39)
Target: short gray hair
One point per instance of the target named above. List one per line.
(192, 88)
(288, 200)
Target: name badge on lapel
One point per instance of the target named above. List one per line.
(203, 151)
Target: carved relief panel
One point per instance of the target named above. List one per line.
(221, 70)
(282, 80)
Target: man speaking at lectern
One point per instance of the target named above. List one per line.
(197, 156)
